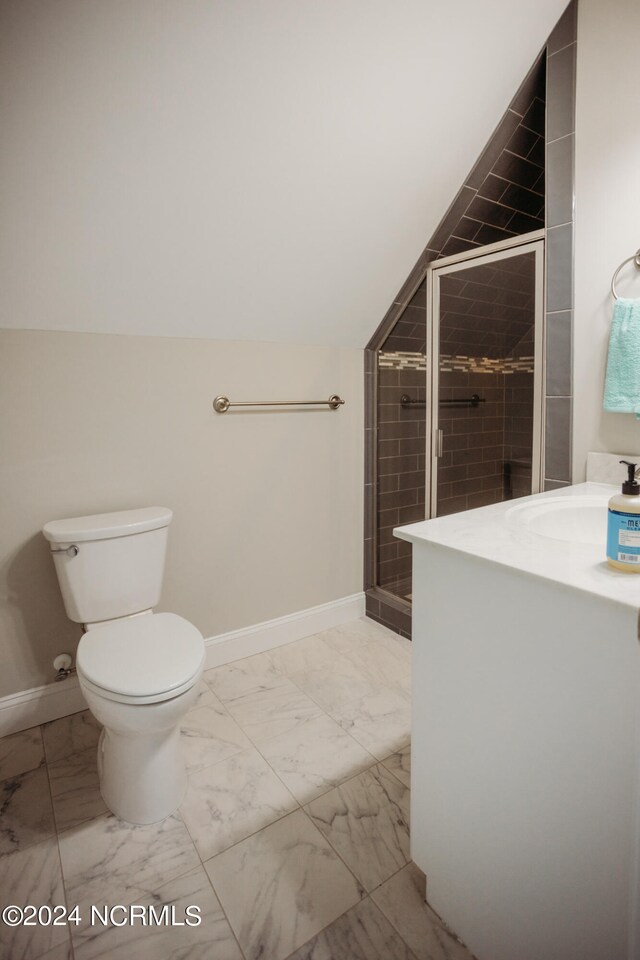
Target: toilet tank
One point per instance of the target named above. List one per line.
(111, 564)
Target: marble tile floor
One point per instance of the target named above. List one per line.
(292, 839)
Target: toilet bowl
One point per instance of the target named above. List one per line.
(139, 677)
(138, 670)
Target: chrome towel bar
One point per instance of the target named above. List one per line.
(473, 401)
(222, 404)
(634, 259)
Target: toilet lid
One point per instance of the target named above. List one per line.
(143, 656)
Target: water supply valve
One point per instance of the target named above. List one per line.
(63, 666)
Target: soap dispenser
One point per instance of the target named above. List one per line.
(623, 532)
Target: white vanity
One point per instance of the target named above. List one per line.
(526, 729)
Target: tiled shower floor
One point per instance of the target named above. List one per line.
(292, 839)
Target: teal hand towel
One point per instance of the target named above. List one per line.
(622, 382)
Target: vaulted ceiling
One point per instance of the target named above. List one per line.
(240, 169)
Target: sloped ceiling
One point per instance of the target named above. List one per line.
(240, 169)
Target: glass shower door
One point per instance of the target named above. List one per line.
(486, 326)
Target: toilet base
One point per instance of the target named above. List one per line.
(141, 768)
(141, 781)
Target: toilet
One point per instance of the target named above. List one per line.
(138, 670)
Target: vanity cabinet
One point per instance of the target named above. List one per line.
(526, 737)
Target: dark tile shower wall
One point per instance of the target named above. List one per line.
(518, 422)
(401, 471)
(486, 318)
(518, 428)
(470, 471)
(401, 447)
(486, 311)
(504, 195)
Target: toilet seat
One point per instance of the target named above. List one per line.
(141, 659)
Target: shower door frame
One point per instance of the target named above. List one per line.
(480, 256)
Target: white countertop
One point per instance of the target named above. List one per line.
(495, 534)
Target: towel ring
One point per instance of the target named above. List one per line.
(634, 259)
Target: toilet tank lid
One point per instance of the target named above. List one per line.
(102, 526)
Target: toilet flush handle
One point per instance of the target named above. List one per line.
(71, 551)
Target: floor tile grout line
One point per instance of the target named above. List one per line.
(253, 833)
(245, 731)
(163, 881)
(224, 912)
(326, 926)
(441, 922)
(257, 748)
(346, 733)
(395, 775)
(77, 823)
(338, 855)
(3, 780)
(337, 852)
(412, 955)
(204, 862)
(322, 836)
(55, 824)
(323, 712)
(101, 816)
(230, 716)
(26, 845)
(332, 786)
(362, 900)
(332, 717)
(73, 751)
(376, 761)
(300, 805)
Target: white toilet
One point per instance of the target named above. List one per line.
(138, 670)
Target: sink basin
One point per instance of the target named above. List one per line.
(569, 519)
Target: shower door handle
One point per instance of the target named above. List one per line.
(439, 443)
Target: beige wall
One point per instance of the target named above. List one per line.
(607, 211)
(268, 505)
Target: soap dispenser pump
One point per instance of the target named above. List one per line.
(623, 531)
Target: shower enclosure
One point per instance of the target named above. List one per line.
(460, 398)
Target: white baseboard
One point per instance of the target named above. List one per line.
(275, 633)
(19, 711)
(39, 705)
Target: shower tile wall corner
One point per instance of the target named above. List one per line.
(370, 471)
(560, 140)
